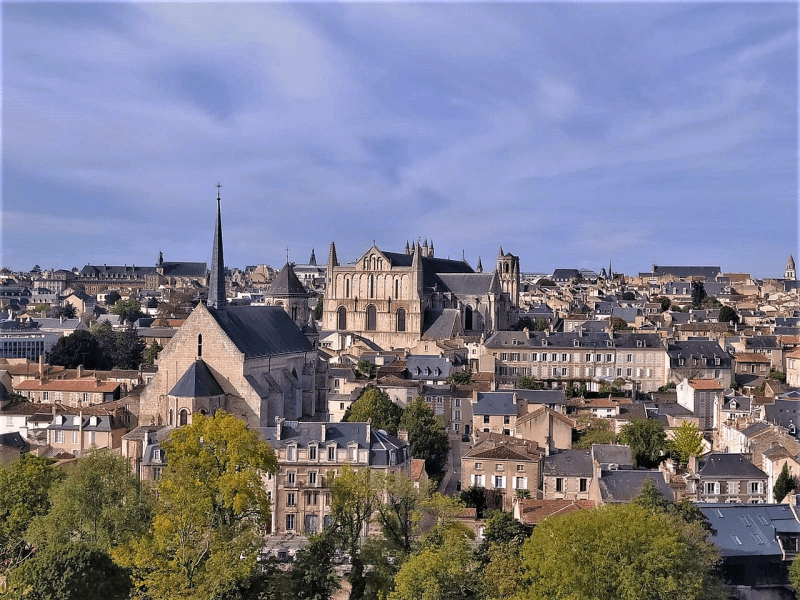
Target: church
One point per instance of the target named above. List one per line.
(395, 299)
(252, 361)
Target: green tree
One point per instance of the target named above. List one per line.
(687, 441)
(728, 315)
(647, 439)
(618, 324)
(68, 311)
(72, 571)
(100, 502)
(129, 349)
(777, 375)
(528, 383)
(128, 310)
(151, 354)
(106, 337)
(599, 431)
(211, 508)
(318, 309)
(24, 495)
(783, 485)
(665, 303)
(427, 437)
(366, 369)
(112, 298)
(619, 551)
(541, 324)
(313, 575)
(545, 282)
(502, 529)
(475, 497)
(460, 378)
(79, 348)
(698, 293)
(400, 511)
(376, 405)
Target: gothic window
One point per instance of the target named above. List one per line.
(294, 313)
(401, 319)
(396, 289)
(347, 288)
(506, 267)
(371, 317)
(169, 418)
(341, 318)
(199, 345)
(183, 417)
(468, 318)
(371, 286)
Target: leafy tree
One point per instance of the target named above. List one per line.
(151, 354)
(647, 439)
(599, 431)
(783, 485)
(503, 530)
(72, 571)
(475, 497)
(728, 315)
(652, 500)
(460, 378)
(128, 310)
(698, 293)
(24, 495)
(129, 349)
(313, 575)
(617, 324)
(112, 298)
(545, 282)
(211, 507)
(665, 388)
(100, 502)
(376, 405)
(619, 551)
(528, 383)
(400, 511)
(778, 376)
(541, 324)
(68, 311)
(79, 348)
(628, 296)
(366, 369)
(427, 437)
(665, 303)
(501, 577)
(687, 441)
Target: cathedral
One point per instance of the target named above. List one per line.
(395, 299)
(252, 361)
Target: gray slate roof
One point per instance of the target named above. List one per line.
(466, 284)
(428, 367)
(685, 272)
(737, 525)
(286, 283)
(612, 454)
(197, 382)
(569, 463)
(261, 330)
(185, 269)
(622, 486)
(441, 325)
(719, 464)
(495, 403)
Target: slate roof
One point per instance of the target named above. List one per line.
(686, 272)
(495, 403)
(12, 440)
(66, 423)
(782, 412)
(565, 274)
(184, 269)
(441, 325)
(69, 385)
(261, 330)
(466, 284)
(569, 463)
(612, 454)
(622, 486)
(549, 397)
(197, 382)
(428, 367)
(749, 529)
(719, 464)
(694, 349)
(286, 283)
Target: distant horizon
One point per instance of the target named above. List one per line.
(570, 134)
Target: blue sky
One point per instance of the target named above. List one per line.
(569, 133)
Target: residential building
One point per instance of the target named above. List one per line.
(727, 478)
(567, 475)
(703, 397)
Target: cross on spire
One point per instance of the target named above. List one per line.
(287, 254)
(218, 186)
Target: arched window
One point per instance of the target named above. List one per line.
(506, 267)
(371, 286)
(199, 345)
(401, 319)
(396, 289)
(468, 318)
(371, 317)
(169, 418)
(341, 319)
(183, 417)
(347, 288)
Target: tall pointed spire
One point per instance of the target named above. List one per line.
(479, 268)
(333, 261)
(216, 284)
(313, 259)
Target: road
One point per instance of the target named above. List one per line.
(452, 477)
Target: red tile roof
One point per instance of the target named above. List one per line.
(535, 511)
(705, 384)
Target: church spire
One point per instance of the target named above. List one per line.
(216, 284)
(479, 268)
(313, 259)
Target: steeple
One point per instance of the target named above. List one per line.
(313, 259)
(216, 284)
(479, 268)
(500, 252)
(790, 272)
(408, 250)
(333, 261)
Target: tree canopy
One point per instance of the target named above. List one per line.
(128, 310)
(528, 383)
(687, 441)
(460, 378)
(647, 439)
(783, 485)
(79, 348)
(376, 405)
(599, 431)
(366, 369)
(426, 436)
(728, 315)
(698, 293)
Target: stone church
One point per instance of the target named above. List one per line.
(252, 361)
(395, 299)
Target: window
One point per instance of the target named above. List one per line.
(458, 402)
(353, 453)
(559, 484)
(331, 453)
(341, 318)
(468, 319)
(564, 371)
(183, 417)
(564, 357)
(478, 466)
(91, 438)
(371, 316)
(291, 478)
(477, 480)
(457, 415)
(397, 290)
(506, 419)
(609, 358)
(291, 499)
(711, 487)
(755, 487)
(289, 522)
(498, 467)
(291, 453)
(486, 419)
(312, 478)
(499, 481)
(630, 357)
(587, 358)
(312, 453)
(45, 396)
(521, 483)
(582, 484)
(520, 467)
(346, 288)
(74, 437)
(401, 319)
(341, 405)
(199, 344)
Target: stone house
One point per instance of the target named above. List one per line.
(725, 478)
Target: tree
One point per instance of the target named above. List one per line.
(687, 441)
(68, 311)
(617, 324)
(502, 529)
(698, 293)
(599, 431)
(647, 439)
(783, 485)
(619, 551)
(427, 437)
(151, 354)
(545, 282)
(313, 575)
(400, 511)
(128, 310)
(366, 369)
(129, 349)
(112, 298)
(376, 405)
(24, 495)
(79, 348)
(74, 571)
(100, 502)
(728, 315)
(628, 296)
(460, 378)
(475, 497)
(541, 324)
(318, 310)
(665, 303)
(528, 383)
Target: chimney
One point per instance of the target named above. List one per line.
(278, 427)
(694, 464)
(527, 333)
(402, 434)
(41, 366)
(96, 380)
(324, 429)
(369, 429)
(80, 371)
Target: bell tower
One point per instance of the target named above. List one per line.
(508, 274)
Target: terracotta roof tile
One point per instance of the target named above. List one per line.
(535, 511)
(705, 384)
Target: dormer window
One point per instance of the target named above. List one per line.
(291, 452)
(94, 421)
(312, 452)
(352, 452)
(639, 343)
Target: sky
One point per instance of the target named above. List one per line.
(570, 134)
